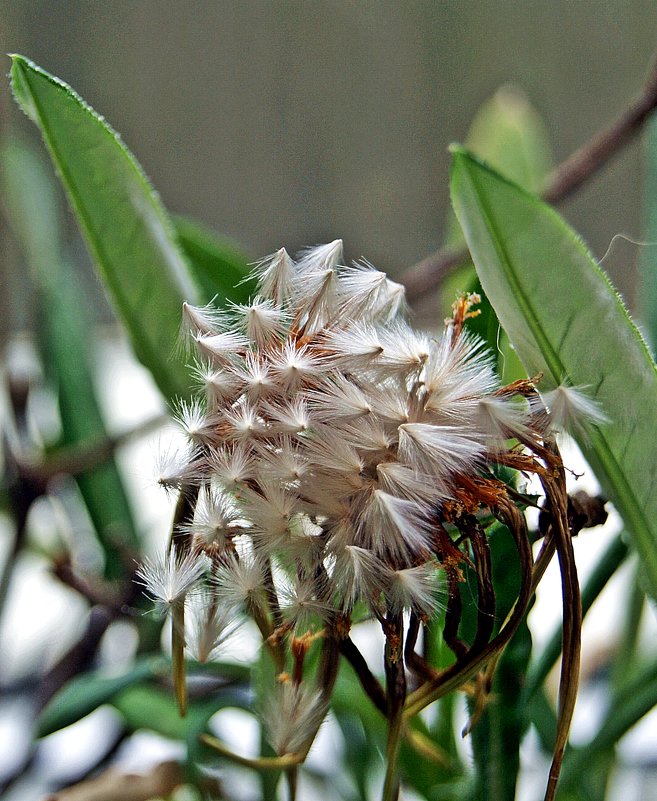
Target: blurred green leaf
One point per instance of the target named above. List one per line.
(123, 220)
(634, 699)
(497, 735)
(509, 133)
(65, 336)
(606, 567)
(218, 265)
(85, 693)
(567, 322)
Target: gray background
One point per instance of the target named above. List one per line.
(289, 123)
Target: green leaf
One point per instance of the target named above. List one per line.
(64, 333)
(85, 693)
(125, 225)
(510, 135)
(148, 706)
(566, 321)
(218, 265)
(497, 735)
(627, 706)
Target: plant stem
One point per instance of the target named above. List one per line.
(396, 695)
(391, 783)
(178, 656)
(258, 763)
(291, 776)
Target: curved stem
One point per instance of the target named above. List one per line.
(257, 763)
(454, 676)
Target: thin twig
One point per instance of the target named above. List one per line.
(368, 680)
(257, 763)
(566, 178)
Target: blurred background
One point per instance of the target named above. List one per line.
(291, 123)
(287, 124)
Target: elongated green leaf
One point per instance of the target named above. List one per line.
(566, 321)
(85, 693)
(510, 135)
(64, 333)
(218, 266)
(147, 706)
(121, 217)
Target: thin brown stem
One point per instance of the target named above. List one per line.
(485, 591)
(414, 662)
(180, 540)
(567, 178)
(557, 498)
(368, 680)
(395, 696)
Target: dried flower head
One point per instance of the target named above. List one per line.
(342, 460)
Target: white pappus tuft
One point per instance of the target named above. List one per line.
(394, 528)
(168, 578)
(261, 320)
(208, 626)
(292, 716)
(201, 320)
(572, 411)
(275, 276)
(418, 588)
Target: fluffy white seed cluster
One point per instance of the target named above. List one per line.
(330, 436)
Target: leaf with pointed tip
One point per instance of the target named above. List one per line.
(124, 223)
(566, 321)
(510, 135)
